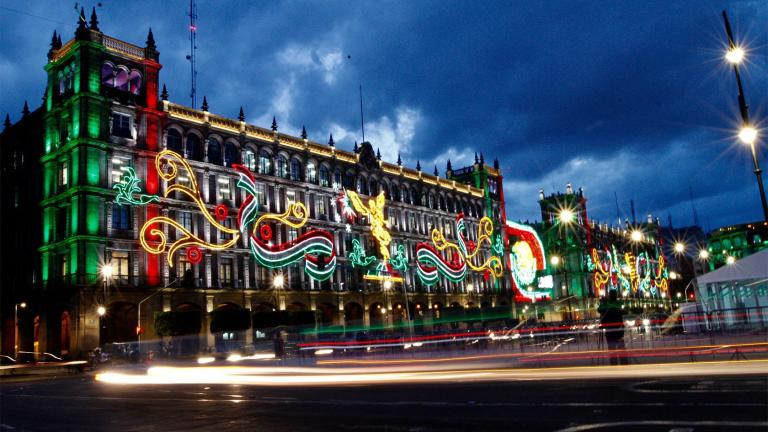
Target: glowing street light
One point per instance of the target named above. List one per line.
(107, 271)
(679, 247)
(101, 310)
(16, 307)
(566, 216)
(730, 260)
(748, 135)
(470, 287)
(278, 281)
(554, 260)
(387, 284)
(636, 235)
(704, 254)
(735, 55)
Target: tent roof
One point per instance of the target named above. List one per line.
(754, 266)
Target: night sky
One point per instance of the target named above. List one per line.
(618, 97)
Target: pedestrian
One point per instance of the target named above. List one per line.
(612, 323)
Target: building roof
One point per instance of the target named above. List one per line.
(754, 266)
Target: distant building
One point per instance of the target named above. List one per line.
(736, 241)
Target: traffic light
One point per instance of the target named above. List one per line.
(139, 330)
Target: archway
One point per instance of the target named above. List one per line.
(64, 339)
(229, 323)
(377, 313)
(399, 314)
(296, 307)
(118, 325)
(327, 314)
(353, 314)
(186, 344)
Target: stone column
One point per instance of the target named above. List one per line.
(209, 340)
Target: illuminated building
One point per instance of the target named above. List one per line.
(105, 119)
(737, 241)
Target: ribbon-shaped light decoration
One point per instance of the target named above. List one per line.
(602, 274)
(166, 164)
(430, 262)
(315, 246)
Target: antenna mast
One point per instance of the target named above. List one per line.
(192, 49)
(362, 121)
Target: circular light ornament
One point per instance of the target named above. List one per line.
(221, 212)
(194, 255)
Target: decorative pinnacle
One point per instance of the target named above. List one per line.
(205, 104)
(241, 116)
(436, 172)
(496, 163)
(418, 165)
(82, 28)
(482, 159)
(303, 132)
(399, 161)
(164, 93)
(476, 160)
(378, 154)
(94, 20)
(448, 166)
(7, 122)
(355, 149)
(330, 141)
(150, 40)
(274, 124)
(55, 41)
(25, 110)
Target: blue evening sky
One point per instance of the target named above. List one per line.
(631, 98)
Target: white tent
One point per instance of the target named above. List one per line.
(752, 267)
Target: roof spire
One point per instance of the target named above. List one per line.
(330, 141)
(151, 40)
(274, 124)
(7, 122)
(418, 165)
(241, 116)
(55, 41)
(437, 173)
(378, 154)
(496, 163)
(58, 42)
(399, 161)
(476, 160)
(355, 149)
(303, 132)
(82, 28)
(482, 159)
(448, 166)
(164, 93)
(205, 104)
(94, 20)
(25, 110)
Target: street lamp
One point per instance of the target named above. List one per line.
(730, 260)
(566, 216)
(703, 254)
(747, 134)
(16, 307)
(679, 247)
(101, 310)
(636, 235)
(554, 260)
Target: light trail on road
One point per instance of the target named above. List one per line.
(272, 376)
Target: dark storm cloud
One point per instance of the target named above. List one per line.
(624, 97)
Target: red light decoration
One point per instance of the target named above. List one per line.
(221, 212)
(266, 232)
(194, 255)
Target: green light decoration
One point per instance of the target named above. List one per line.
(128, 186)
(399, 262)
(357, 257)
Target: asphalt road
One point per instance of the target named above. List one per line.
(691, 403)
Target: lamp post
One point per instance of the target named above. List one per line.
(748, 134)
(16, 307)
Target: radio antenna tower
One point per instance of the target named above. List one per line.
(192, 49)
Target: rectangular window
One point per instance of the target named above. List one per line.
(225, 193)
(121, 216)
(261, 194)
(63, 173)
(63, 269)
(120, 165)
(227, 223)
(120, 267)
(320, 206)
(185, 219)
(292, 234)
(121, 125)
(290, 197)
(225, 272)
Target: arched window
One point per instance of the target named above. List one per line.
(385, 189)
(230, 154)
(67, 79)
(134, 82)
(431, 202)
(121, 79)
(295, 170)
(282, 166)
(374, 187)
(442, 203)
(108, 74)
(337, 179)
(265, 163)
(349, 180)
(173, 140)
(249, 160)
(214, 151)
(194, 148)
(325, 180)
(311, 172)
